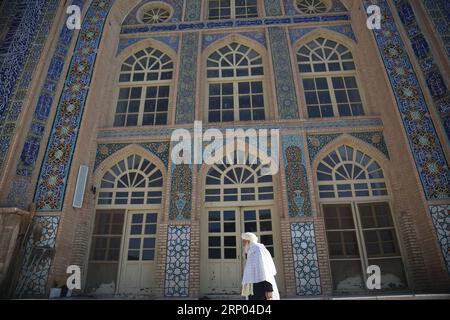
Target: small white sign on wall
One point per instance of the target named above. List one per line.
(78, 196)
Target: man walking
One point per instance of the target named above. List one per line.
(258, 282)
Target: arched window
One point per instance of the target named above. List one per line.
(346, 173)
(132, 181)
(359, 227)
(312, 6)
(329, 80)
(235, 84)
(144, 89)
(231, 9)
(238, 182)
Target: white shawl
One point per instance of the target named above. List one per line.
(260, 267)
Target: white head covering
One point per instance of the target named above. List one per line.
(250, 237)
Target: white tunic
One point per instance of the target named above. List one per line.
(260, 267)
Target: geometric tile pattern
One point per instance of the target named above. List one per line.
(187, 79)
(306, 265)
(346, 30)
(158, 149)
(55, 168)
(441, 220)
(177, 263)
(284, 80)
(38, 257)
(28, 24)
(177, 7)
(425, 146)
(318, 141)
(258, 36)
(291, 10)
(433, 77)
(439, 12)
(299, 202)
(171, 41)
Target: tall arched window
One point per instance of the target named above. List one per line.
(358, 221)
(231, 9)
(132, 181)
(235, 84)
(144, 89)
(328, 74)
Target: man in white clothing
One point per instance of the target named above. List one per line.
(258, 282)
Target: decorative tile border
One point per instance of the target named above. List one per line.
(290, 9)
(340, 124)
(299, 201)
(441, 220)
(177, 7)
(317, 142)
(258, 36)
(38, 257)
(434, 79)
(177, 263)
(193, 10)
(158, 149)
(439, 12)
(346, 30)
(190, 26)
(306, 265)
(424, 142)
(171, 41)
(284, 79)
(20, 54)
(55, 168)
(187, 83)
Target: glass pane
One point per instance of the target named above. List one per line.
(134, 244)
(137, 218)
(214, 254)
(148, 255)
(214, 241)
(149, 243)
(230, 241)
(392, 273)
(230, 253)
(133, 255)
(150, 229)
(214, 227)
(137, 229)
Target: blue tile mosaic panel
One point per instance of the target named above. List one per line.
(435, 81)
(284, 79)
(273, 8)
(299, 201)
(193, 10)
(177, 263)
(439, 12)
(38, 257)
(441, 220)
(180, 192)
(55, 168)
(187, 83)
(28, 26)
(306, 265)
(424, 143)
